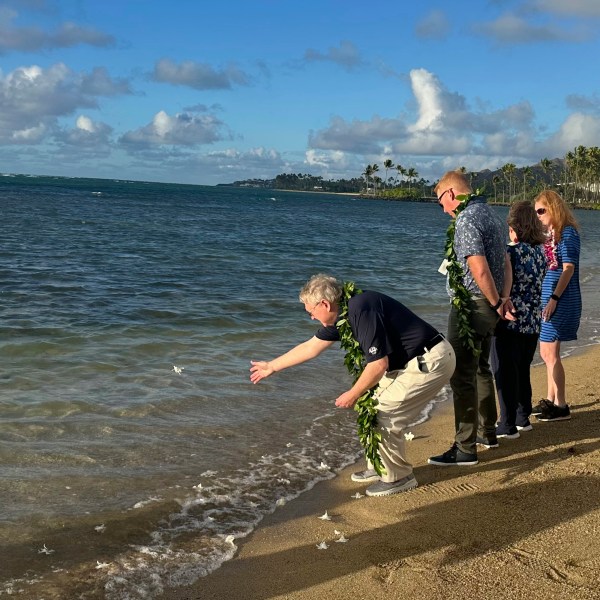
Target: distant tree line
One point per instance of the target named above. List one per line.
(576, 178)
(312, 183)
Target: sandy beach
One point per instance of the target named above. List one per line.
(524, 523)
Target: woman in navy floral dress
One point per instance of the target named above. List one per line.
(561, 299)
(515, 341)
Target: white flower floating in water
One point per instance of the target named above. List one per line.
(322, 546)
(178, 370)
(280, 502)
(100, 528)
(289, 445)
(45, 550)
(282, 480)
(230, 540)
(342, 539)
(325, 517)
(323, 467)
(100, 565)
(357, 495)
(409, 437)
(197, 487)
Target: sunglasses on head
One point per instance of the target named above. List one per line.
(540, 211)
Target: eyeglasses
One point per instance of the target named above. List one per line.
(310, 312)
(540, 211)
(443, 194)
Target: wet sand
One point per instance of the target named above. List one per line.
(523, 523)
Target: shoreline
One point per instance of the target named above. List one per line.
(492, 530)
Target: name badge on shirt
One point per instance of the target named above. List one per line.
(443, 268)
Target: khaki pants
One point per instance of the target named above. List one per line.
(402, 395)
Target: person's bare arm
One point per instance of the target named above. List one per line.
(297, 355)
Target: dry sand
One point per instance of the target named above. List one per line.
(524, 523)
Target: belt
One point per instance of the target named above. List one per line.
(432, 343)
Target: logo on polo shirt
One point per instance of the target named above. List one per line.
(373, 350)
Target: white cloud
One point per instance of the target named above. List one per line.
(33, 39)
(85, 124)
(182, 129)
(513, 29)
(429, 95)
(356, 136)
(199, 76)
(573, 8)
(443, 125)
(587, 104)
(92, 136)
(32, 98)
(434, 26)
(577, 130)
(345, 55)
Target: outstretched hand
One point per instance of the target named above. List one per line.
(259, 370)
(346, 400)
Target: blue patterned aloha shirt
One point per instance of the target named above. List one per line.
(480, 232)
(528, 267)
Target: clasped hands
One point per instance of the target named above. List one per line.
(507, 310)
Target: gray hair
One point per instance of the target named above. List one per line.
(321, 287)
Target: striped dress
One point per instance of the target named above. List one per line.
(564, 323)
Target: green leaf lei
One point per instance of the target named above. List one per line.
(462, 297)
(366, 405)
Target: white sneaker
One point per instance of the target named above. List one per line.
(383, 488)
(364, 476)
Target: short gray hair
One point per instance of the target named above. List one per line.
(321, 287)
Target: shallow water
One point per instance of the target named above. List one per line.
(106, 287)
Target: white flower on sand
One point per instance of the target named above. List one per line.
(44, 550)
(357, 495)
(325, 517)
(336, 532)
(178, 370)
(100, 528)
(323, 466)
(230, 540)
(409, 437)
(322, 546)
(342, 539)
(102, 565)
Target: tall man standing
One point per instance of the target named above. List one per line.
(407, 361)
(479, 244)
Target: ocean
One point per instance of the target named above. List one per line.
(134, 451)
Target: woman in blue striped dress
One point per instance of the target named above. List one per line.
(561, 299)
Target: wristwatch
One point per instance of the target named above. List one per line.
(497, 305)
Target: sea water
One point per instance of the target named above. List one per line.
(133, 449)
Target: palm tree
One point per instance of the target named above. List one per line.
(411, 175)
(495, 181)
(367, 174)
(388, 164)
(508, 170)
(401, 172)
(546, 165)
(375, 168)
(527, 173)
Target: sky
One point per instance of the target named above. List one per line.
(192, 91)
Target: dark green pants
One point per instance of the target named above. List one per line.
(473, 383)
